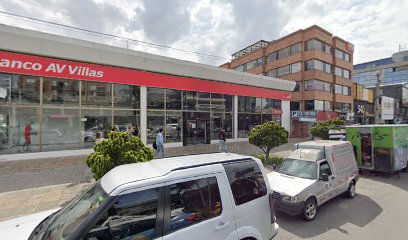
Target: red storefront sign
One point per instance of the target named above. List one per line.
(324, 116)
(49, 67)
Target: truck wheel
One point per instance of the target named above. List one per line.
(309, 210)
(351, 191)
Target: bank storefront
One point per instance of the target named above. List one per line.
(53, 104)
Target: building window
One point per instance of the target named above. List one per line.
(327, 106)
(298, 87)
(317, 85)
(272, 73)
(296, 67)
(342, 72)
(271, 57)
(155, 98)
(342, 55)
(314, 44)
(283, 53)
(315, 64)
(283, 70)
(241, 68)
(295, 48)
(255, 63)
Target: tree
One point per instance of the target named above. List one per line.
(322, 129)
(119, 149)
(268, 136)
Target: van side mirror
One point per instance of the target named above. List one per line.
(324, 177)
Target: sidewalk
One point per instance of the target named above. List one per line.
(29, 185)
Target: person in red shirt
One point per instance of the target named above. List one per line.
(27, 136)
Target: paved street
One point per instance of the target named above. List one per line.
(379, 211)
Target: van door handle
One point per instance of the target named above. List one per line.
(221, 225)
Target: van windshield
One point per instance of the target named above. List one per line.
(298, 168)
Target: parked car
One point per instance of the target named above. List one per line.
(314, 173)
(208, 196)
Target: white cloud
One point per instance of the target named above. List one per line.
(219, 27)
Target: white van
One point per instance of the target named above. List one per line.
(209, 196)
(314, 173)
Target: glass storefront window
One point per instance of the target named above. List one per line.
(19, 89)
(94, 121)
(244, 125)
(60, 129)
(19, 130)
(277, 104)
(61, 92)
(173, 99)
(124, 120)
(244, 104)
(256, 105)
(221, 120)
(203, 101)
(174, 125)
(189, 100)
(126, 96)
(196, 128)
(155, 121)
(155, 98)
(97, 94)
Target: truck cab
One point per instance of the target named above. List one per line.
(314, 173)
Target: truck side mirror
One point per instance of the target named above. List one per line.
(324, 177)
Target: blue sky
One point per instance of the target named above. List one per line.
(220, 27)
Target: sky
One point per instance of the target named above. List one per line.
(217, 27)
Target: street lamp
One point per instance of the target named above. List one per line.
(378, 94)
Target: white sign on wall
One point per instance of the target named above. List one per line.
(387, 108)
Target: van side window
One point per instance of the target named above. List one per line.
(132, 216)
(193, 202)
(325, 168)
(246, 181)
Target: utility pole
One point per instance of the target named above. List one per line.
(378, 93)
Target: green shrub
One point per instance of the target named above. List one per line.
(271, 159)
(322, 129)
(268, 136)
(119, 149)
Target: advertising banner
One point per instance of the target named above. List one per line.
(387, 108)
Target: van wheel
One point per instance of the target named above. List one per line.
(351, 191)
(309, 210)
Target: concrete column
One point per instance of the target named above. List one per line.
(143, 114)
(235, 117)
(286, 115)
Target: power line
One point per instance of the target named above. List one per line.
(112, 36)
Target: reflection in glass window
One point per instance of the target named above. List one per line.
(173, 99)
(194, 201)
(244, 104)
(203, 101)
(95, 121)
(19, 129)
(189, 100)
(19, 89)
(155, 121)
(132, 216)
(219, 121)
(271, 57)
(174, 124)
(309, 105)
(126, 119)
(126, 96)
(61, 92)
(155, 98)
(246, 181)
(97, 94)
(60, 129)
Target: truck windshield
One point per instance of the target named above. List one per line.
(298, 168)
(75, 214)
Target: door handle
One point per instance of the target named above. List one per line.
(221, 225)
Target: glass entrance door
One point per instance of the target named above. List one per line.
(196, 128)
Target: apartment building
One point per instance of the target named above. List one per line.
(321, 65)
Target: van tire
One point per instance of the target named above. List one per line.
(351, 191)
(309, 210)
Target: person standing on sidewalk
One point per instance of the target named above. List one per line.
(223, 145)
(27, 137)
(160, 143)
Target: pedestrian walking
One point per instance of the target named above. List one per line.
(160, 143)
(27, 137)
(223, 145)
